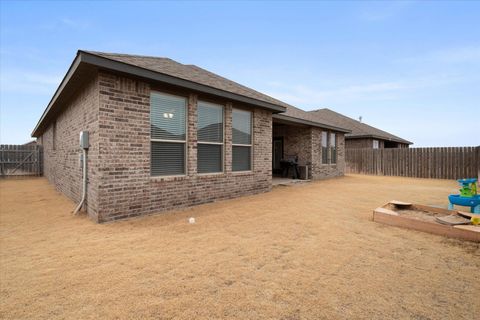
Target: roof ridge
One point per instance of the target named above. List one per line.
(343, 116)
(315, 110)
(338, 113)
(128, 55)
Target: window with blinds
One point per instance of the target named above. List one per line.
(241, 140)
(324, 147)
(333, 148)
(210, 137)
(168, 134)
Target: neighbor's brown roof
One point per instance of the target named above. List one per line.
(294, 114)
(359, 129)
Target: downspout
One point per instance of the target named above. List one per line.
(84, 146)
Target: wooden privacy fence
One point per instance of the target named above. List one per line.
(20, 160)
(437, 163)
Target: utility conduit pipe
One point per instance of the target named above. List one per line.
(84, 146)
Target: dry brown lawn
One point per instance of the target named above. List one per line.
(299, 252)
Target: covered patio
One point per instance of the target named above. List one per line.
(292, 143)
(305, 149)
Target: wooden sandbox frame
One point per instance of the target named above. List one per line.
(390, 214)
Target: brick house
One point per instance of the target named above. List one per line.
(164, 135)
(362, 135)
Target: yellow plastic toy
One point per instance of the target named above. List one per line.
(475, 220)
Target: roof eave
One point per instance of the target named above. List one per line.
(309, 123)
(105, 63)
(123, 67)
(71, 70)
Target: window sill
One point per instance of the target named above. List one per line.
(168, 178)
(210, 174)
(242, 173)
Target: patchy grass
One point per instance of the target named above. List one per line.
(300, 252)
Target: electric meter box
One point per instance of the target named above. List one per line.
(84, 139)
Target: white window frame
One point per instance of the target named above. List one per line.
(185, 162)
(376, 144)
(214, 143)
(244, 145)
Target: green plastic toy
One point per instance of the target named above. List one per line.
(468, 197)
(468, 187)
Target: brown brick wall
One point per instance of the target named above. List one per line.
(126, 188)
(62, 163)
(116, 112)
(323, 171)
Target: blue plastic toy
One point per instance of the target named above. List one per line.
(468, 196)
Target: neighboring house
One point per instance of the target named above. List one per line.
(165, 135)
(362, 135)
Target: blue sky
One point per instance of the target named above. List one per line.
(410, 68)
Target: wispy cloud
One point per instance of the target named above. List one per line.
(26, 82)
(67, 22)
(382, 10)
(454, 55)
(75, 23)
(28, 55)
(308, 96)
(302, 95)
(462, 54)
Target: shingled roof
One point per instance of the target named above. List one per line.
(296, 115)
(358, 129)
(188, 72)
(196, 74)
(167, 71)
